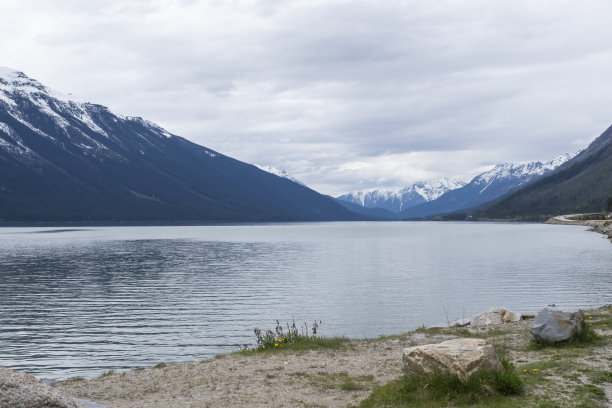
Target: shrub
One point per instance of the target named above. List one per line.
(443, 388)
(292, 337)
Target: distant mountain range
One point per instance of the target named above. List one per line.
(448, 195)
(581, 185)
(64, 160)
(407, 197)
(486, 187)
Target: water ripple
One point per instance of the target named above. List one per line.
(82, 301)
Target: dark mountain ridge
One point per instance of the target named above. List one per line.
(63, 160)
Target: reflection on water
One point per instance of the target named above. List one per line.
(81, 301)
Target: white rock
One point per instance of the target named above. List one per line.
(495, 315)
(461, 356)
(19, 390)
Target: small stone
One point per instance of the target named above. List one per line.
(556, 325)
(461, 322)
(460, 356)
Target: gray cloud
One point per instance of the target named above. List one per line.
(343, 95)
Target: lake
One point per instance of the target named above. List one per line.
(80, 301)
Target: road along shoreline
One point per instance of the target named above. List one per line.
(600, 226)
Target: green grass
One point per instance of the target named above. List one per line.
(75, 379)
(441, 389)
(602, 377)
(108, 373)
(601, 319)
(590, 391)
(342, 380)
(299, 344)
(291, 338)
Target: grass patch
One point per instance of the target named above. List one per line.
(342, 380)
(591, 391)
(75, 379)
(602, 377)
(352, 385)
(601, 319)
(445, 389)
(108, 373)
(292, 338)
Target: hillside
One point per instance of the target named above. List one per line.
(62, 160)
(581, 185)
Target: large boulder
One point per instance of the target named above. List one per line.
(19, 390)
(556, 325)
(460, 356)
(495, 315)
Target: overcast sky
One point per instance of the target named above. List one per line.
(344, 95)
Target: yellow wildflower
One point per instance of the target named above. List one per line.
(535, 369)
(275, 344)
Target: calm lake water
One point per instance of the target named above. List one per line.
(77, 302)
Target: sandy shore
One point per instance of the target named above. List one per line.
(339, 377)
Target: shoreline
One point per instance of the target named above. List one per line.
(603, 227)
(341, 376)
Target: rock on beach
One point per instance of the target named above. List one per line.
(556, 325)
(463, 356)
(20, 390)
(495, 315)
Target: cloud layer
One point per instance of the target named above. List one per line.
(344, 95)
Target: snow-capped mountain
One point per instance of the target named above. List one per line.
(396, 201)
(280, 173)
(487, 186)
(581, 185)
(62, 159)
(521, 172)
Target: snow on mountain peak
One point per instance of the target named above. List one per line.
(19, 94)
(406, 197)
(559, 160)
(6, 71)
(521, 170)
(280, 173)
(430, 190)
(14, 81)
